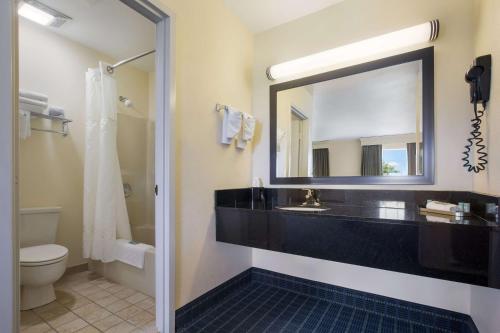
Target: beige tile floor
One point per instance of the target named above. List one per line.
(88, 303)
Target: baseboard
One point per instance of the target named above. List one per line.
(76, 269)
(348, 297)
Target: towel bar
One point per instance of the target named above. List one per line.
(64, 123)
(220, 107)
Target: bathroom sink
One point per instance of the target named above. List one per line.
(304, 209)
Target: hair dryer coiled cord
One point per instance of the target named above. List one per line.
(476, 140)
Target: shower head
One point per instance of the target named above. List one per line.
(127, 102)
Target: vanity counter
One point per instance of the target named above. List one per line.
(372, 233)
(380, 214)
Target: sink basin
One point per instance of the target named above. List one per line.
(304, 209)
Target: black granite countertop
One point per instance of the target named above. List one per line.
(389, 214)
(359, 207)
(380, 214)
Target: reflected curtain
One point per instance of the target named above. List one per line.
(421, 158)
(371, 160)
(411, 152)
(321, 164)
(105, 216)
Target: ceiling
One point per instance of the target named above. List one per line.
(375, 103)
(107, 26)
(261, 15)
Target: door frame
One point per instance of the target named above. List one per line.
(164, 164)
(9, 241)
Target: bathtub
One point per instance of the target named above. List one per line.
(142, 280)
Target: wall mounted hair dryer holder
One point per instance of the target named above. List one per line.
(479, 78)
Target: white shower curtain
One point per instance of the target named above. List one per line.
(105, 216)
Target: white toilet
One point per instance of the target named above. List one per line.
(42, 261)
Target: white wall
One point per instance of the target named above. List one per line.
(399, 140)
(485, 309)
(355, 20)
(434, 292)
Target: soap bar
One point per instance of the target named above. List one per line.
(441, 206)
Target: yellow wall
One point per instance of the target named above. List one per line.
(485, 302)
(51, 167)
(488, 42)
(213, 63)
(355, 20)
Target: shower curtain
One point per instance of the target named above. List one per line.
(105, 216)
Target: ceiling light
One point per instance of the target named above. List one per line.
(392, 41)
(42, 14)
(34, 14)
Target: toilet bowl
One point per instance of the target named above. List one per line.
(41, 266)
(41, 261)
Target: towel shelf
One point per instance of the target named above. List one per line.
(64, 123)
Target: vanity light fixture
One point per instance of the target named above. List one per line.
(421, 33)
(42, 14)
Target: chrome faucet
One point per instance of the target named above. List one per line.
(312, 198)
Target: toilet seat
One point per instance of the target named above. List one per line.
(42, 255)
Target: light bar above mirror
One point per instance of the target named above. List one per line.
(400, 39)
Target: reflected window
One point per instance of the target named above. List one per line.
(394, 161)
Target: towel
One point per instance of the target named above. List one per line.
(131, 254)
(56, 111)
(24, 124)
(441, 206)
(30, 101)
(32, 108)
(430, 218)
(231, 124)
(33, 95)
(28, 104)
(247, 131)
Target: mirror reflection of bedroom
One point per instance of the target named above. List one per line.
(367, 124)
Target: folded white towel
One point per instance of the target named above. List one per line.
(33, 95)
(24, 124)
(30, 101)
(247, 131)
(56, 111)
(231, 124)
(431, 218)
(32, 108)
(441, 206)
(131, 254)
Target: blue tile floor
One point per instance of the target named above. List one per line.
(270, 302)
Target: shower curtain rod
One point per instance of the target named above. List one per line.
(111, 68)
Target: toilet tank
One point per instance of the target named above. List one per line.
(38, 225)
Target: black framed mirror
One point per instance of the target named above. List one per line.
(371, 123)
